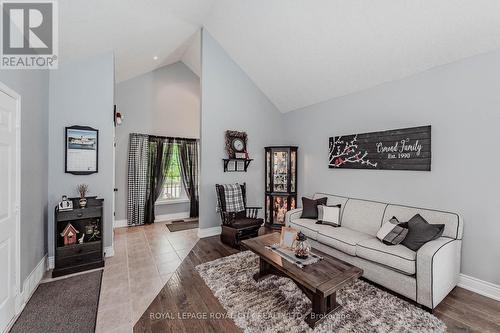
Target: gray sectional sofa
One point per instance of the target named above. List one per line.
(425, 276)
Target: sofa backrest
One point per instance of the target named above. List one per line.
(368, 216)
(332, 200)
(452, 221)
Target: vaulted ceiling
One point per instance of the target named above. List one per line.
(298, 52)
(136, 31)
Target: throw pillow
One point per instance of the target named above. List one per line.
(392, 232)
(329, 215)
(420, 232)
(310, 207)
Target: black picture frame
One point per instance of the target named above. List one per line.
(69, 167)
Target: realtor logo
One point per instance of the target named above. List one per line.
(29, 34)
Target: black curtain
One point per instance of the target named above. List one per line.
(160, 153)
(188, 153)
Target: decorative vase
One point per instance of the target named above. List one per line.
(301, 246)
(83, 202)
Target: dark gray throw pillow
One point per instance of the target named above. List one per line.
(420, 232)
(310, 207)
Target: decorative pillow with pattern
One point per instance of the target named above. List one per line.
(329, 215)
(392, 232)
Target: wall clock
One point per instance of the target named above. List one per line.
(236, 143)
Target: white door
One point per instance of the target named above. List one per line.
(9, 207)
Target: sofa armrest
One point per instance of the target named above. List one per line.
(438, 268)
(292, 215)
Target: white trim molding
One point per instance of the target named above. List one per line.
(30, 284)
(173, 216)
(51, 263)
(172, 202)
(480, 287)
(158, 219)
(120, 223)
(109, 251)
(209, 232)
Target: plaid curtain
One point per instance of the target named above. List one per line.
(188, 153)
(137, 178)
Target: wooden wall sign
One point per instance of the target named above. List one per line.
(402, 149)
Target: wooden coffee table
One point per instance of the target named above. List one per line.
(319, 281)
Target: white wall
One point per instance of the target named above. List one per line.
(163, 102)
(231, 101)
(462, 103)
(82, 93)
(33, 86)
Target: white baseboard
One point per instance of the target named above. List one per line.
(209, 232)
(31, 283)
(173, 216)
(478, 286)
(120, 223)
(109, 251)
(51, 263)
(158, 219)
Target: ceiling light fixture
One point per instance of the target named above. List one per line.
(155, 58)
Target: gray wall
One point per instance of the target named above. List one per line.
(231, 101)
(82, 93)
(162, 102)
(461, 101)
(33, 86)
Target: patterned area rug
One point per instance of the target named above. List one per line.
(276, 304)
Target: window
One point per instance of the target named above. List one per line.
(173, 188)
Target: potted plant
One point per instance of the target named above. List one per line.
(83, 189)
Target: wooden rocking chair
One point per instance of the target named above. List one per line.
(240, 225)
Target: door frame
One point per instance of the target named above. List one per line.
(18, 301)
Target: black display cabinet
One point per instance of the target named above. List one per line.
(281, 183)
(88, 223)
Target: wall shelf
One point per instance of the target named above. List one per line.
(235, 163)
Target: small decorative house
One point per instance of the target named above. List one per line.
(69, 234)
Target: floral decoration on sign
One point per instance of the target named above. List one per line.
(344, 150)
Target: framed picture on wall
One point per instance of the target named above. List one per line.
(81, 150)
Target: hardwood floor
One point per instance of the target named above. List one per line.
(185, 295)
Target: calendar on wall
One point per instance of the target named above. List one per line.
(82, 149)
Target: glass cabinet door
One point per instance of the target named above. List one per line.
(280, 171)
(293, 176)
(268, 172)
(280, 207)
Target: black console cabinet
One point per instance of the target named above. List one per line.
(79, 257)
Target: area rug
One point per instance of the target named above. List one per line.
(182, 225)
(67, 305)
(276, 304)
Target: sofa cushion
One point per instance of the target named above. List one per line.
(307, 226)
(329, 215)
(341, 238)
(310, 207)
(363, 215)
(420, 232)
(392, 232)
(397, 257)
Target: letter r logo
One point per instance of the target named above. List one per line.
(27, 27)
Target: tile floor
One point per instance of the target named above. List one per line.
(145, 258)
